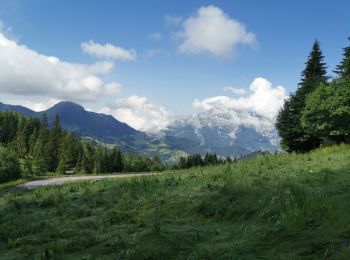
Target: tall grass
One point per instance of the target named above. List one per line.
(285, 206)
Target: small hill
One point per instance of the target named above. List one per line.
(283, 206)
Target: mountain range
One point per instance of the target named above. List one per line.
(209, 131)
(218, 132)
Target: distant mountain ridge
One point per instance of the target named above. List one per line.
(104, 128)
(75, 118)
(19, 109)
(205, 132)
(218, 132)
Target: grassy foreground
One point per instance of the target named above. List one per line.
(273, 207)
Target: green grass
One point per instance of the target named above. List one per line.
(273, 207)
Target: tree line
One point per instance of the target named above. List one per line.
(196, 160)
(318, 113)
(32, 147)
(28, 146)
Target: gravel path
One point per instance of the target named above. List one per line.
(61, 180)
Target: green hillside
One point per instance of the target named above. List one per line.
(284, 206)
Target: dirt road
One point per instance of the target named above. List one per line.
(61, 180)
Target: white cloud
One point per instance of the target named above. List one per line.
(113, 88)
(211, 30)
(156, 36)
(150, 53)
(103, 67)
(36, 106)
(6, 30)
(238, 91)
(140, 113)
(171, 20)
(258, 109)
(108, 51)
(27, 72)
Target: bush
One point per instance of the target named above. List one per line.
(327, 112)
(9, 165)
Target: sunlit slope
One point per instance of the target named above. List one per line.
(282, 206)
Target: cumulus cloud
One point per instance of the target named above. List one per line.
(140, 113)
(238, 91)
(27, 72)
(108, 51)
(113, 88)
(258, 109)
(211, 30)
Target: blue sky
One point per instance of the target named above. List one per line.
(283, 30)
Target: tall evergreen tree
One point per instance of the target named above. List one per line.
(41, 155)
(53, 144)
(343, 69)
(117, 164)
(293, 136)
(44, 121)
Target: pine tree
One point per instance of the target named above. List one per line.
(97, 161)
(41, 158)
(343, 69)
(44, 121)
(293, 136)
(53, 144)
(27, 166)
(116, 164)
(21, 138)
(228, 160)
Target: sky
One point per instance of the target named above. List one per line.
(148, 62)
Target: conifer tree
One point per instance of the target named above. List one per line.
(97, 161)
(293, 136)
(343, 69)
(41, 158)
(116, 164)
(53, 144)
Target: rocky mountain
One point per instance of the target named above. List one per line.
(221, 132)
(212, 131)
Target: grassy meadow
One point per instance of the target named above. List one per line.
(285, 206)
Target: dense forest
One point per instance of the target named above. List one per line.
(29, 146)
(318, 113)
(33, 147)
